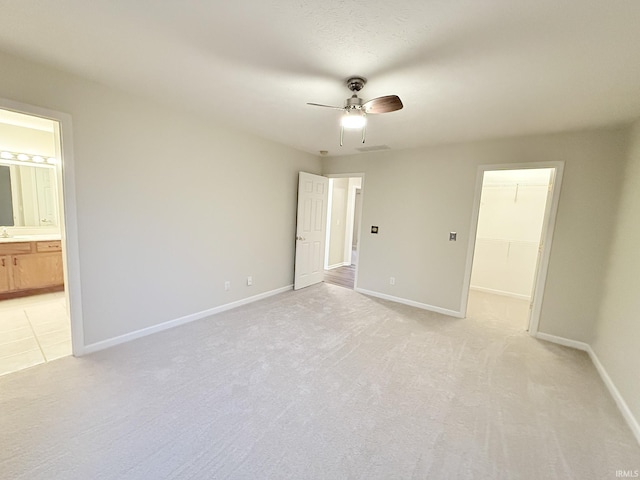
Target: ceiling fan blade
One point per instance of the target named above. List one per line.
(390, 103)
(326, 106)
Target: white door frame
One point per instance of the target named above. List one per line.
(68, 218)
(351, 175)
(549, 219)
(327, 239)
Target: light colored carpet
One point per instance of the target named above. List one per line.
(320, 383)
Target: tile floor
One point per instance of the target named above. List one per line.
(33, 330)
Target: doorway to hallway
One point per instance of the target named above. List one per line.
(343, 228)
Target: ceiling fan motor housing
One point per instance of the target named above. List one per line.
(355, 84)
(354, 102)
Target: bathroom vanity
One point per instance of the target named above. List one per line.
(30, 265)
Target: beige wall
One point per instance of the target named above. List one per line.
(337, 230)
(26, 140)
(418, 196)
(617, 339)
(169, 205)
(354, 184)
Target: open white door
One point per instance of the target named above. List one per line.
(541, 265)
(313, 195)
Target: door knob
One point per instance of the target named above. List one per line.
(298, 237)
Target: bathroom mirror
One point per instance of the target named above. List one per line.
(28, 195)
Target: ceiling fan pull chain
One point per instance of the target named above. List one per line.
(341, 134)
(364, 130)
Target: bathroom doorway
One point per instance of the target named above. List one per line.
(35, 310)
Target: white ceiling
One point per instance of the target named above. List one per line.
(465, 69)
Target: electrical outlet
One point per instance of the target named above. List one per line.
(392, 280)
(249, 280)
(227, 286)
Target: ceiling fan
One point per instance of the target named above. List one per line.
(356, 110)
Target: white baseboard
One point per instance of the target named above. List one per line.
(94, 347)
(615, 393)
(632, 421)
(338, 265)
(563, 341)
(622, 405)
(501, 292)
(412, 303)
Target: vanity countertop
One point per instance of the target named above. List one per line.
(31, 238)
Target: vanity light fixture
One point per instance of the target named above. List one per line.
(27, 157)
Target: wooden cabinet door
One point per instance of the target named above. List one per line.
(37, 270)
(5, 271)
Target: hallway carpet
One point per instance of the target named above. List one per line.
(322, 383)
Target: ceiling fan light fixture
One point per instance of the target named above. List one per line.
(355, 110)
(353, 120)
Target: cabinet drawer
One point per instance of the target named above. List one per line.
(17, 247)
(52, 246)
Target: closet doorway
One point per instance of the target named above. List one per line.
(343, 229)
(513, 235)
